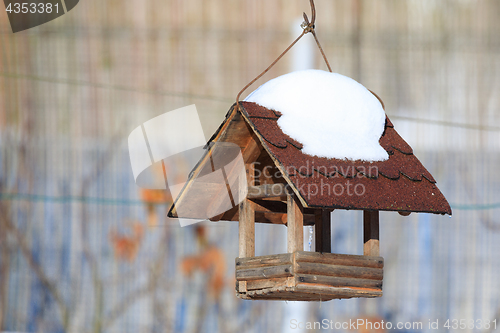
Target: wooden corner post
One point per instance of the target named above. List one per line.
(371, 233)
(295, 223)
(247, 216)
(322, 230)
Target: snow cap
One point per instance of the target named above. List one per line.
(331, 115)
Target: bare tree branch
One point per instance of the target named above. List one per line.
(101, 164)
(4, 275)
(25, 250)
(131, 298)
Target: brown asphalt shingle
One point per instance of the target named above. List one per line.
(399, 184)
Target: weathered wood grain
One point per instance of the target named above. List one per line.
(334, 281)
(339, 271)
(259, 273)
(339, 259)
(241, 286)
(246, 230)
(309, 276)
(337, 292)
(246, 224)
(295, 225)
(266, 283)
(263, 261)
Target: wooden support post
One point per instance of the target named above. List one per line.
(322, 229)
(247, 218)
(371, 233)
(295, 224)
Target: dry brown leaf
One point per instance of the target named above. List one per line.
(154, 196)
(127, 246)
(211, 262)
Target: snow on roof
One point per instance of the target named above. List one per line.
(331, 115)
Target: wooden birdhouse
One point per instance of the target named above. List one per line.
(281, 181)
(286, 186)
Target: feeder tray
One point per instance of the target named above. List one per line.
(309, 276)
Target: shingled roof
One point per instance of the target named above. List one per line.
(400, 183)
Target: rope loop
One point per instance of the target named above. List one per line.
(308, 27)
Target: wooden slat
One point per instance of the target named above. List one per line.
(246, 230)
(246, 218)
(339, 271)
(285, 296)
(267, 191)
(235, 130)
(295, 225)
(339, 259)
(371, 245)
(259, 273)
(322, 228)
(263, 261)
(289, 297)
(334, 281)
(337, 292)
(241, 286)
(266, 283)
(309, 292)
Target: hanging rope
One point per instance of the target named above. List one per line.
(308, 27)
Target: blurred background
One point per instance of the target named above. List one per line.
(83, 249)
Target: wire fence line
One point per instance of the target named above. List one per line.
(125, 202)
(225, 100)
(113, 87)
(88, 251)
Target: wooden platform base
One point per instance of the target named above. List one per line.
(309, 276)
